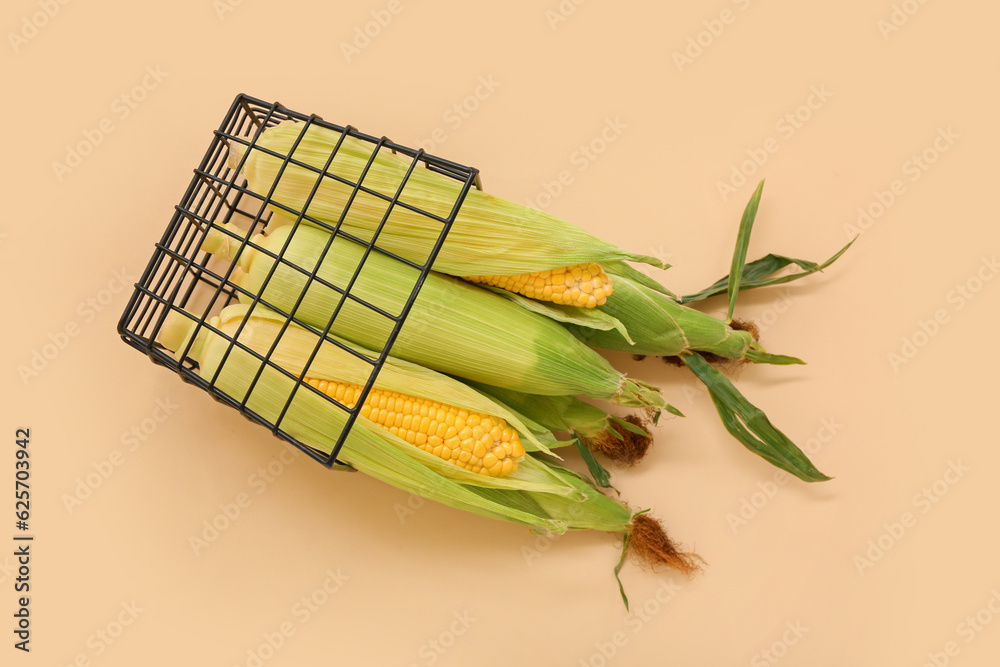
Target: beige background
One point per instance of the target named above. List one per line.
(886, 432)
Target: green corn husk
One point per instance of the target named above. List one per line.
(543, 496)
(453, 327)
(624, 440)
(658, 325)
(490, 235)
(555, 413)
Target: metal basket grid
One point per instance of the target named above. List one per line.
(181, 277)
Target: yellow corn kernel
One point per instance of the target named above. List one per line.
(473, 441)
(582, 285)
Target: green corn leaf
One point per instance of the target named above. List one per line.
(758, 273)
(748, 424)
(601, 476)
(762, 357)
(618, 569)
(740, 253)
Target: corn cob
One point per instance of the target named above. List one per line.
(492, 240)
(474, 441)
(543, 496)
(453, 327)
(583, 285)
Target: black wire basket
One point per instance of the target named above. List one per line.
(183, 278)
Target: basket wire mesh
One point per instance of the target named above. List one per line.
(180, 277)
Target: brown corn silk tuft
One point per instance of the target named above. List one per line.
(649, 544)
(630, 449)
(748, 326)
